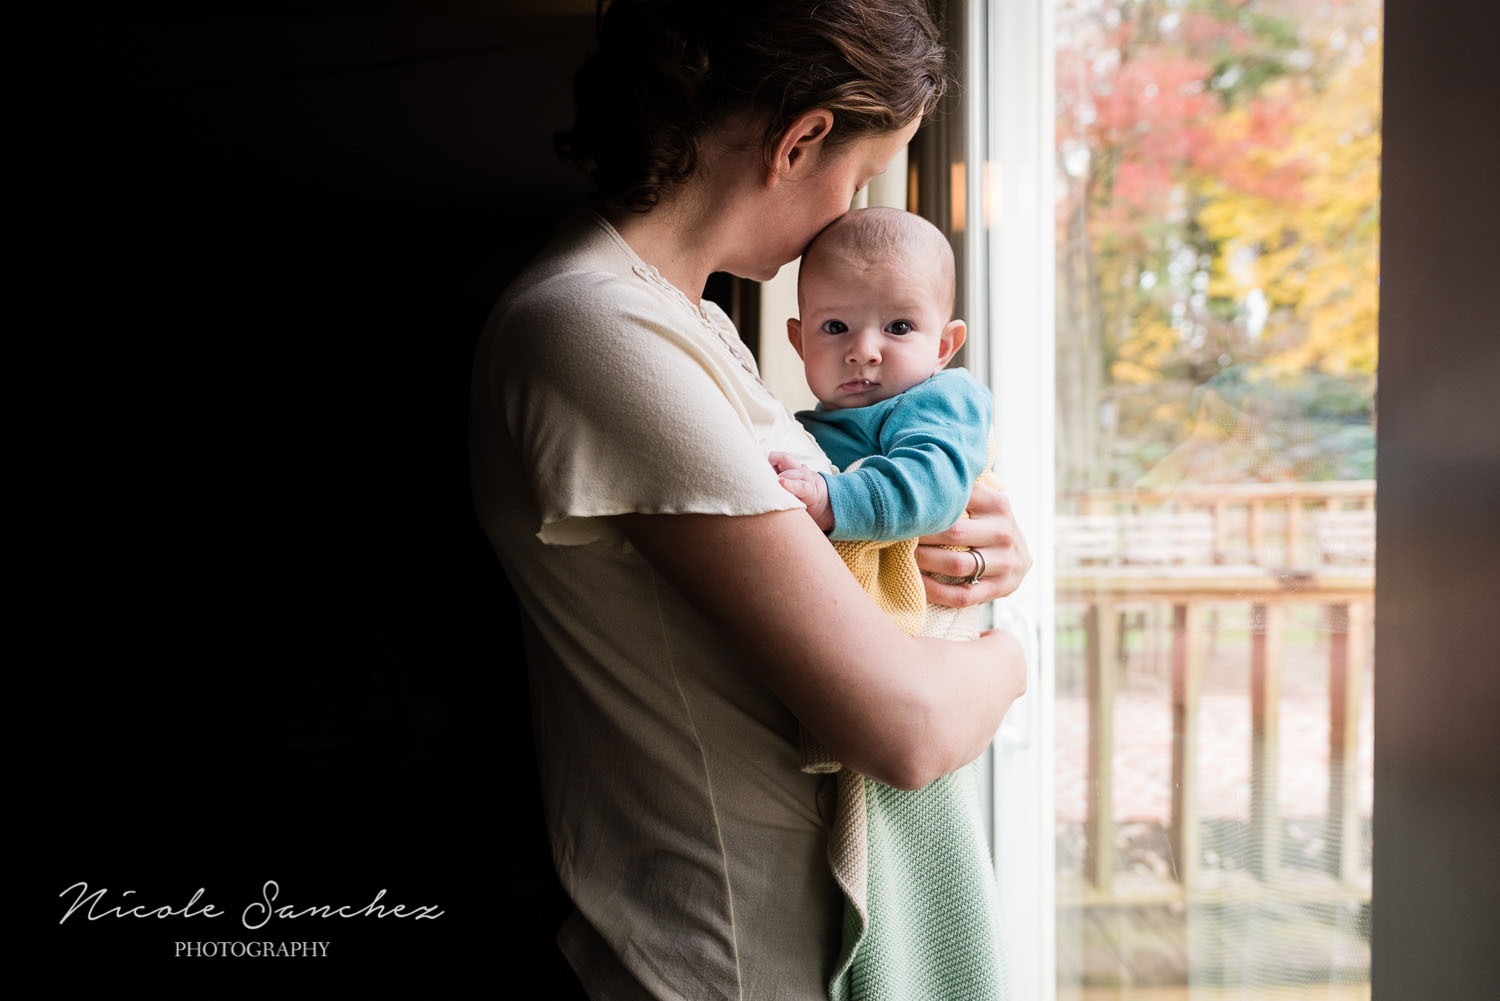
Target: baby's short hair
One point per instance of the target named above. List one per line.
(884, 233)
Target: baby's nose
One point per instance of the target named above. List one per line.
(864, 347)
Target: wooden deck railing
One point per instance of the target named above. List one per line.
(1268, 546)
(1260, 524)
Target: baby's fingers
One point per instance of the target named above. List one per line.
(781, 462)
(799, 488)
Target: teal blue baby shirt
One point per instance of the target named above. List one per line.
(922, 450)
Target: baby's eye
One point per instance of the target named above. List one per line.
(835, 327)
(899, 327)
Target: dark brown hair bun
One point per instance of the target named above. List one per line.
(666, 71)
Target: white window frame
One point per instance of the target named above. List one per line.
(1008, 257)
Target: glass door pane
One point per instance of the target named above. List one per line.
(1217, 217)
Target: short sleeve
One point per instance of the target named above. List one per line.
(619, 401)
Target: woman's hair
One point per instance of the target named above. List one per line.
(667, 71)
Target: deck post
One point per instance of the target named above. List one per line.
(1265, 697)
(1221, 530)
(1187, 672)
(1293, 532)
(1103, 667)
(1257, 531)
(1348, 652)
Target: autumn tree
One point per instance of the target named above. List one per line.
(1217, 218)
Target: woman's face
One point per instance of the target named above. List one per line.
(808, 204)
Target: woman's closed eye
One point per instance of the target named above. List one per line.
(835, 327)
(899, 327)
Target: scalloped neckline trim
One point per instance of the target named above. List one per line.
(648, 272)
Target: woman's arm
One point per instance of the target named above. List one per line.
(899, 709)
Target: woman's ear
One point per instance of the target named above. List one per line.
(797, 151)
(949, 341)
(794, 334)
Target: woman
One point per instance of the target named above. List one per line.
(683, 611)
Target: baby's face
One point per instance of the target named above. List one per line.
(871, 329)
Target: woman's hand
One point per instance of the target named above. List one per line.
(990, 529)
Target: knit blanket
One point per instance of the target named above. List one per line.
(921, 907)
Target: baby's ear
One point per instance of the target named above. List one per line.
(794, 334)
(950, 340)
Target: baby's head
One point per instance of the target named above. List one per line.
(875, 291)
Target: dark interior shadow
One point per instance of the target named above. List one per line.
(273, 643)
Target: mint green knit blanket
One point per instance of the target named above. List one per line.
(931, 927)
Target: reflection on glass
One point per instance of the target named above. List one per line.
(1217, 226)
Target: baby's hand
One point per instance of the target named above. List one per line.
(805, 485)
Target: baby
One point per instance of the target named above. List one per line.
(876, 297)
(876, 293)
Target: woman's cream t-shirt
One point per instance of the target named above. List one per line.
(681, 824)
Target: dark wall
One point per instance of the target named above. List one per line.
(1437, 649)
(264, 637)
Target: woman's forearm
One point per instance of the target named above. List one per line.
(969, 696)
(901, 710)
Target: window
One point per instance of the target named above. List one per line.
(1167, 219)
(1180, 201)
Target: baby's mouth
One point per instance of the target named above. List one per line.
(858, 385)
